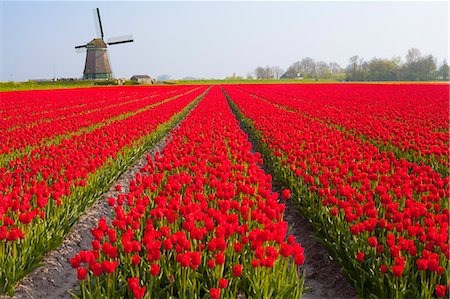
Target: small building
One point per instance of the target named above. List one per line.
(292, 75)
(143, 79)
(121, 81)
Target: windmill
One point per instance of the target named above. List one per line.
(97, 62)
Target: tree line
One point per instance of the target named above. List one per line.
(415, 67)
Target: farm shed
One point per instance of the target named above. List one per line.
(143, 79)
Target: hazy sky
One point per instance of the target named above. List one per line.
(213, 39)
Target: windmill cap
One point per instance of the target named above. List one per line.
(97, 43)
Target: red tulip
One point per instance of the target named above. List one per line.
(440, 290)
(214, 293)
(81, 273)
(237, 270)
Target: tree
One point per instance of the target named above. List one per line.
(259, 72)
(308, 67)
(427, 68)
(413, 56)
(277, 71)
(444, 71)
(354, 70)
(335, 68)
(382, 70)
(323, 70)
(264, 72)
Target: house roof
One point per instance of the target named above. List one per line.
(141, 77)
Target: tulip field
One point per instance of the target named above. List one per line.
(366, 164)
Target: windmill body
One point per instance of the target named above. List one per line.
(97, 61)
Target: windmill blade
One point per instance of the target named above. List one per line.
(81, 50)
(120, 40)
(98, 23)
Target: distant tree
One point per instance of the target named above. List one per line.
(355, 69)
(410, 70)
(418, 67)
(413, 56)
(259, 72)
(427, 68)
(269, 73)
(444, 71)
(334, 67)
(264, 72)
(382, 70)
(277, 71)
(415, 67)
(323, 70)
(308, 67)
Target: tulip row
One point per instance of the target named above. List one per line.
(409, 120)
(384, 219)
(21, 107)
(37, 128)
(43, 194)
(200, 221)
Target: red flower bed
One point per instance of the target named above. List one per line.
(201, 220)
(385, 219)
(44, 193)
(410, 120)
(23, 125)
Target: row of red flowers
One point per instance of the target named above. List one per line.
(200, 220)
(412, 119)
(385, 219)
(43, 194)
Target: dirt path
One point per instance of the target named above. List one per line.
(323, 275)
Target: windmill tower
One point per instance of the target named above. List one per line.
(97, 61)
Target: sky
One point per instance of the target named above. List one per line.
(213, 39)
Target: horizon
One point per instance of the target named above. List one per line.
(214, 39)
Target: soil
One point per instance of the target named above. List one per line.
(324, 278)
(56, 278)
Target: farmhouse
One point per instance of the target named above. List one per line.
(292, 75)
(143, 79)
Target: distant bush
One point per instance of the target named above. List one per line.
(102, 83)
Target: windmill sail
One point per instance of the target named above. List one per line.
(120, 40)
